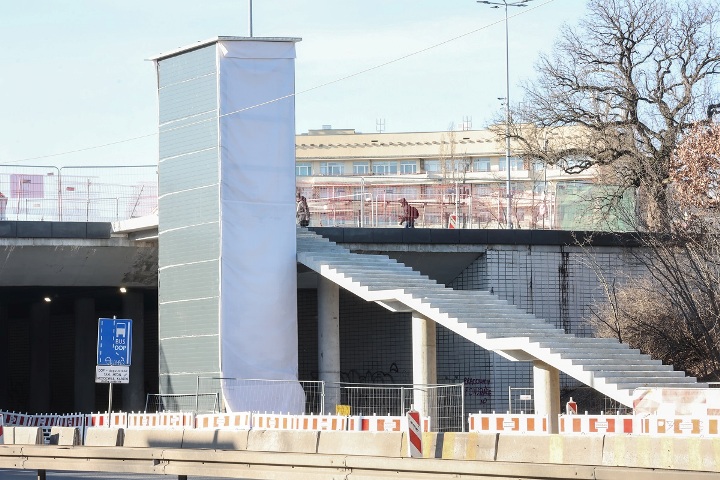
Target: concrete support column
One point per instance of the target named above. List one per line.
(546, 383)
(329, 341)
(40, 358)
(424, 360)
(4, 354)
(133, 394)
(86, 328)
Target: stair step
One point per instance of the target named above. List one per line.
(624, 367)
(648, 384)
(639, 374)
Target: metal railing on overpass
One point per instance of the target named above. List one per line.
(77, 194)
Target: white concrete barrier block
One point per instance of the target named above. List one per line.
(65, 436)
(460, 446)
(23, 436)
(216, 439)
(559, 449)
(282, 441)
(380, 444)
(153, 437)
(104, 437)
(659, 452)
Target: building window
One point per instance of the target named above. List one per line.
(331, 168)
(303, 169)
(432, 166)
(481, 165)
(384, 168)
(361, 168)
(484, 190)
(515, 164)
(408, 167)
(538, 165)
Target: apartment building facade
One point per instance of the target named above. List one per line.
(456, 179)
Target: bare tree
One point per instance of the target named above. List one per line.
(674, 312)
(627, 81)
(454, 165)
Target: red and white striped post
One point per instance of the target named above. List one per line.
(571, 407)
(414, 434)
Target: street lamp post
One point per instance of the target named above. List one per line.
(506, 4)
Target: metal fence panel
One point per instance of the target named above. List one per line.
(521, 400)
(200, 403)
(444, 404)
(259, 388)
(77, 194)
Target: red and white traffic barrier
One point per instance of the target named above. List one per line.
(114, 420)
(71, 420)
(377, 423)
(143, 420)
(383, 423)
(680, 425)
(518, 423)
(237, 421)
(274, 421)
(322, 422)
(588, 424)
(15, 419)
(175, 420)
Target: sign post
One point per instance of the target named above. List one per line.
(114, 353)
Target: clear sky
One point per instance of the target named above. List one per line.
(73, 73)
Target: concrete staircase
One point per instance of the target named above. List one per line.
(606, 365)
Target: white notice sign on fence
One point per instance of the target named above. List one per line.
(112, 374)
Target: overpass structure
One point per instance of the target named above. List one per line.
(92, 255)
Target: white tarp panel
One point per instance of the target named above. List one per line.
(258, 307)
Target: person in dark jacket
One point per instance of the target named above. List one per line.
(302, 212)
(408, 217)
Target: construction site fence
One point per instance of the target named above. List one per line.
(508, 423)
(77, 194)
(560, 205)
(444, 403)
(113, 193)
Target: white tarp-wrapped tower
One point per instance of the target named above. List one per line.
(227, 279)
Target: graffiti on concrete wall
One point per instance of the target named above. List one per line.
(478, 387)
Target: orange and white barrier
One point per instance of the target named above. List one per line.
(322, 422)
(174, 420)
(519, 423)
(274, 421)
(377, 423)
(115, 420)
(143, 420)
(681, 425)
(383, 423)
(587, 424)
(236, 421)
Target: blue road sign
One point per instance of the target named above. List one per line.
(114, 346)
